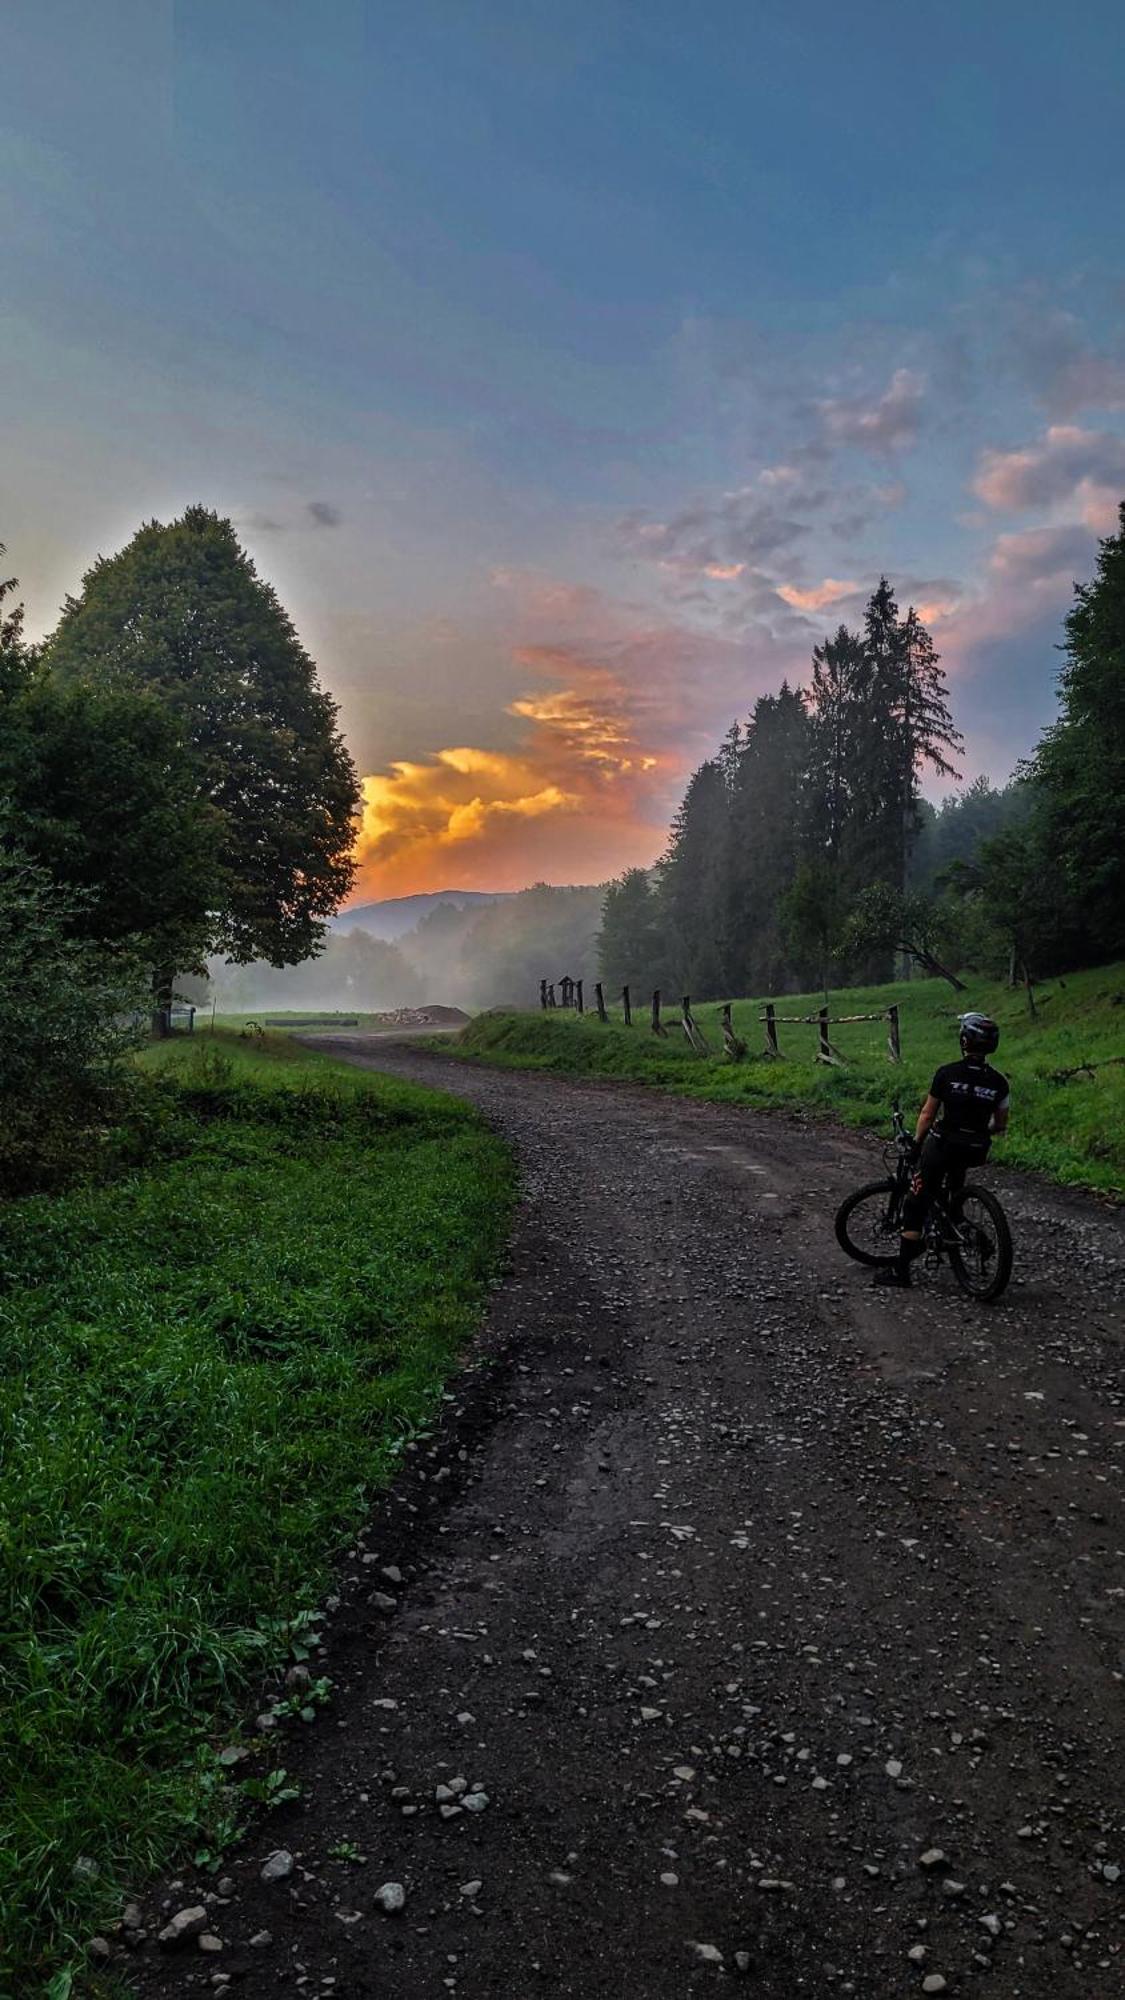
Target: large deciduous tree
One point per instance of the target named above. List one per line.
(182, 614)
(103, 794)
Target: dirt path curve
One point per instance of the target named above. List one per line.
(738, 1591)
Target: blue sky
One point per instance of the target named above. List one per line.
(570, 371)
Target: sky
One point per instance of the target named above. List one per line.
(571, 371)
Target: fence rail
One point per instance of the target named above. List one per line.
(570, 997)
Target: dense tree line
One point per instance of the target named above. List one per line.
(804, 851)
(172, 783)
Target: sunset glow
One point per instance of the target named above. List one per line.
(560, 454)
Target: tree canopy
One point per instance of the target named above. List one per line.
(182, 615)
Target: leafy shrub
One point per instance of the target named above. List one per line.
(68, 1009)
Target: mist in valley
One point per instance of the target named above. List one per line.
(473, 956)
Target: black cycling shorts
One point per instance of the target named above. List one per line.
(940, 1159)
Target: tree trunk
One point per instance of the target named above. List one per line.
(162, 985)
(931, 964)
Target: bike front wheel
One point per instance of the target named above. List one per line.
(981, 1247)
(868, 1222)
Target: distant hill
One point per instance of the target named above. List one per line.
(392, 919)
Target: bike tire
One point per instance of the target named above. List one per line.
(1002, 1271)
(844, 1215)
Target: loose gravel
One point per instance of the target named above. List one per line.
(736, 1624)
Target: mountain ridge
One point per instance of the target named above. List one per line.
(394, 916)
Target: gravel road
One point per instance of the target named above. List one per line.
(739, 1623)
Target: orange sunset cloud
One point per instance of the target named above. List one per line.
(818, 595)
(579, 791)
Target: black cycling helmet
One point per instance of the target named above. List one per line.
(980, 1036)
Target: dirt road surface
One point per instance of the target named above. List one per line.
(738, 1625)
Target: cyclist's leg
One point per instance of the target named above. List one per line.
(961, 1160)
(926, 1178)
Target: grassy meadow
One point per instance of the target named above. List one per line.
(1072, 1130)
(210, 1363)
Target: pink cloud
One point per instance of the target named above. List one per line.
(818, 595)
(1079, 470)
(1028, 576)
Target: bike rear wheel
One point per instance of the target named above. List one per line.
(868, 1222)
(981, 1247)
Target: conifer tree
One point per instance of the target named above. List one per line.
(1079, 767)
(768, 811)
(691, 879)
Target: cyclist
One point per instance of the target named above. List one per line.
(967, 1103)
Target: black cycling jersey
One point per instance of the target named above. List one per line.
(969, 1094)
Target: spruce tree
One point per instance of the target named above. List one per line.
(631, 949)
(1079, 767)
(691, 884)
(768, 811)
(837, 697)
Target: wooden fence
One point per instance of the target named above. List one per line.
(570, 996)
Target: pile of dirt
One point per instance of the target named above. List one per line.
(425, 1017)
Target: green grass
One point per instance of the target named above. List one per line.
(1072, 1131)
(206, 1369)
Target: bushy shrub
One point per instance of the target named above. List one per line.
(69, 1012)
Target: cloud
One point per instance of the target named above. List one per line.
(321, 513)
(878, 424)
(745, 535)
(580, 794)
(719, 538)
(1065, 372)
(1081, 471)
(1027, 581)
(260, 524)
(611, 711)
(818, 595)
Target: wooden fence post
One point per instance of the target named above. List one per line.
(826, 1053)
(578, 1000)
(627, 1005)
(657, 1029)
(542, 993)
(771, 1031)
(599, 998)
(733, 1044)
(687, 1023)
(551, 1001)
(894, 1040)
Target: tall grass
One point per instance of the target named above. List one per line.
(1072, 1130)
(207, 1369)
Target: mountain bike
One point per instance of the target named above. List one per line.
(965, 1224)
